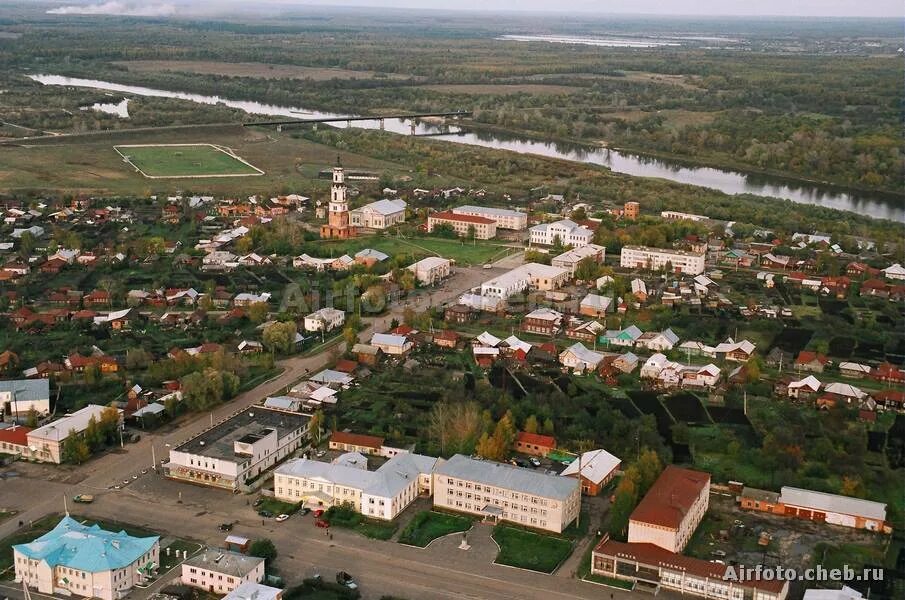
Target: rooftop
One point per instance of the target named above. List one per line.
(225, 562)
(664, 251)
(254, 591)
(595, 465)
(218, 441)
(833, 503)
(25, 390)
(508, 477)
(486, 210)
(59, 429)
(356, 439)
(86, 547)
(671, 497)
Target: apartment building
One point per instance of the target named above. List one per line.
(570, 258)
(674, 215)
(671, 510)
(221, 571)
(73, 559)
(45, 443)
(380, 494)
(681, 261)
(464, 225)
(631, 210)
(325, 319)
(431, 270)
(569, 233)
(237, 450)
(502, 492)
(504, 218)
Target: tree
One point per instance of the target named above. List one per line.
(316, 426)
(93, 435)
(74, 449)
(263, 548)
(109, 425)
(280, 336)
(530, 425)
(243, 245)
(548, 426)
(257, 312)
(138, 358)
(31, 417)
(587, 269)
(350, 336)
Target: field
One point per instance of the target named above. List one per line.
(250, 69)
(464, 253)
(161, 161)
(87, 165)
(499, 89)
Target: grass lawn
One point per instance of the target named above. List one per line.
(428, 526)
(836, 556)
(195, 160)
(37, 529)
(611, 581)
(529, 550)
(277, 507)
(5, 514)
(464, 253)
(170, 562)
(339, 516)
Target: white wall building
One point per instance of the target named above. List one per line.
(505, 219)
(641, 257)
(221, 571)
(239, 448)
(502, 492)
(18, 396)
(570, 258)
(378, 215)
(431, 270)
(568, 232)
(380, 494)
(325, 319)
(45, 443)
(74, 559)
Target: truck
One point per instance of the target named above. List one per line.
(83, 499)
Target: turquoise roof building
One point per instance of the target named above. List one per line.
(89, 548)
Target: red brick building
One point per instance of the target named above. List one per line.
(534, 444)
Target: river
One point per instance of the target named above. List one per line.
(874, 204)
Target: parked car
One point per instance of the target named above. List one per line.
(321, 523)
(320, 453)
(347, 580)
(83, 499)
(225, 526)
(304, 510)
(318, 513)
(534, 461)
(281, 518)
(265, 513)
(258, 502)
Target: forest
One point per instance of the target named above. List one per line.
(824, 105)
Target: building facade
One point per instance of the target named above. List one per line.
(380, 494)
(431, 270)
(681, 261)
(651, 568)
(221, 571)
(504, 218)
(569, 233)
(671, 510)
(45, 444)
(378, 215)
(325, 319)
(570, 258)
(237, 450)
(74, 559)
(464, 225)
(501, 492)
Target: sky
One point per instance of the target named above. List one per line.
(823, 8)
(809, 8)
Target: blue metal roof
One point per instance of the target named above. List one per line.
(86, 548)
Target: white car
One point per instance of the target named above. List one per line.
(281, 518)
(320, 453)
(534, 461)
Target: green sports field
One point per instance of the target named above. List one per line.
(189, 160)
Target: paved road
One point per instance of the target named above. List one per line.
(441, 571)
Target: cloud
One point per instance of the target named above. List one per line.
(130, 9)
